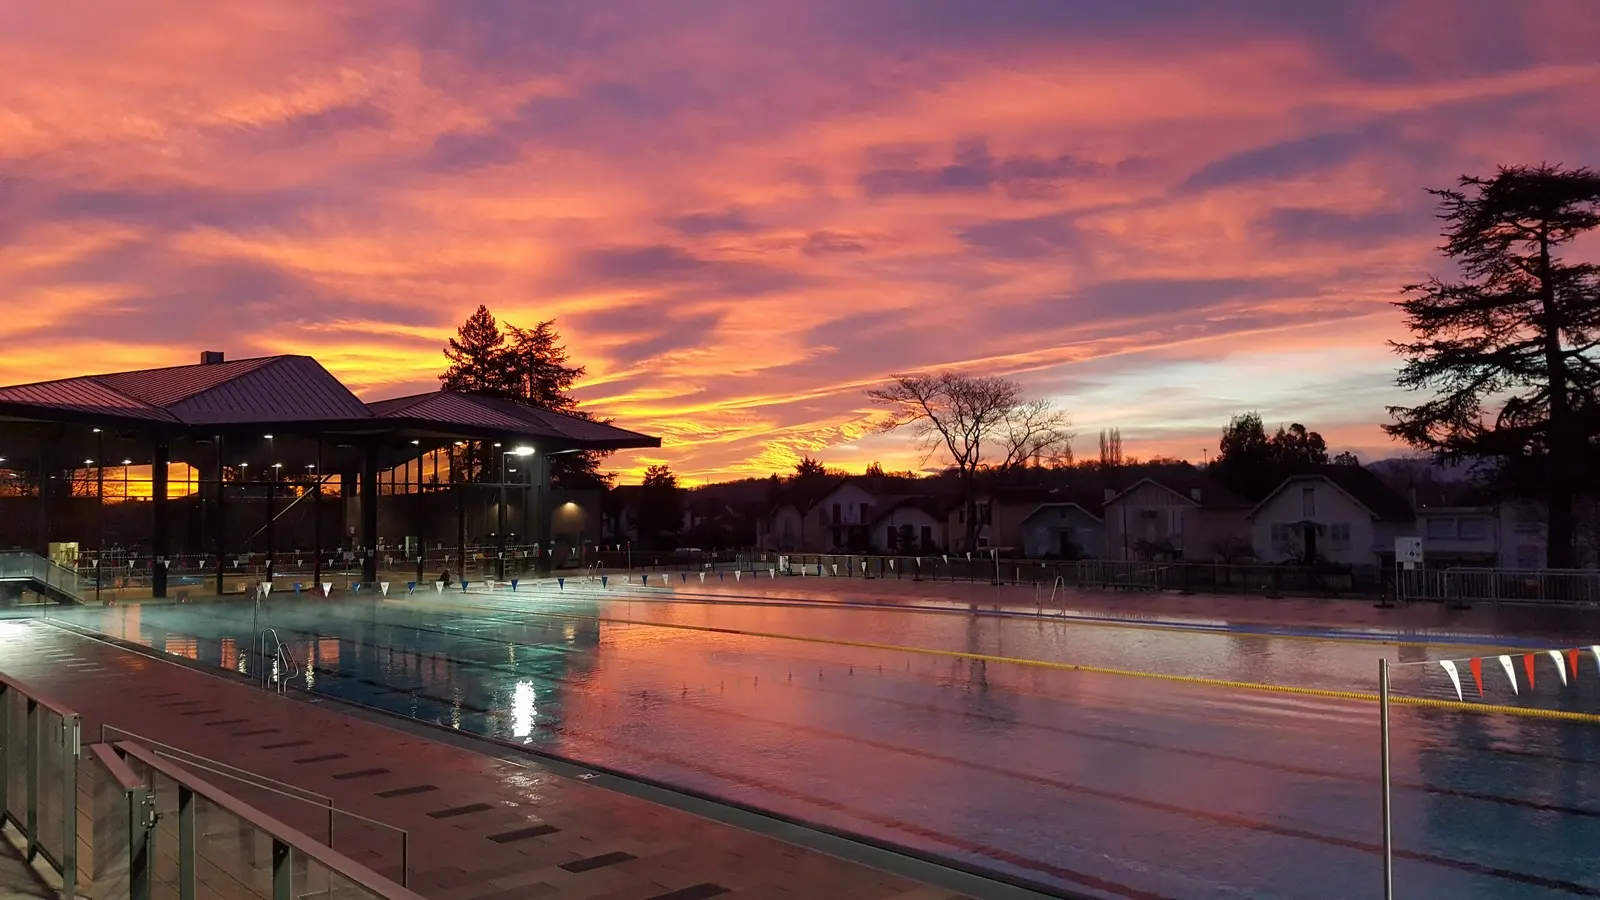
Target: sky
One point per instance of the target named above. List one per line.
(742, 214)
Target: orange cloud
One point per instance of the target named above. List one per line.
(742, 219)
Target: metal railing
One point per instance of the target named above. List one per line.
(205, 835)
(116, 859)
(39, 788)
(17, 565)
(320, 806)
(1557, 587)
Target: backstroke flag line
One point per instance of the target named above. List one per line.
(1455, 676)
(1565, 661)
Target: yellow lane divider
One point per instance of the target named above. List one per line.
(1326, 693)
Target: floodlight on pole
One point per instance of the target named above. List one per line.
(521, 451)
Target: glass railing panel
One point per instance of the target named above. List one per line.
(106, 815)
(16, 755)
(233, 858)
(312, 879)
(53, 760)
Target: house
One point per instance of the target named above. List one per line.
(911, 525)
(619, 514)
(1000, 512)
(1335, 513)
(1180, 516)
(1459, 535)
(1522, 524)
(1063, 530)
(794, 522)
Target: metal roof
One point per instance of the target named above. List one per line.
(493, 413)
(285, 392)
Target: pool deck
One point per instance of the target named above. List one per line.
(491, 827)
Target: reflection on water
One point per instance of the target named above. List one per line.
(1107, 784)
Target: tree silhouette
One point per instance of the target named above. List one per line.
(660, 507)
(528, 365)
(1507, 350)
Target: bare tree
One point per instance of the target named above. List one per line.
(1035, 433)
(1110, 448)
(964, 416)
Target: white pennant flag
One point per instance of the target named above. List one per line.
(737, 573)
(489, 585)
(891, 565)
(665, 578)
(1455, 676)
(384, 587)
(438, 587)
(1561, 665)
(1505, 662)
(327, 587)
(702, 578)
(947, 557)
(266, 587)
(1596, 651)
(773, 572)
(834, 567)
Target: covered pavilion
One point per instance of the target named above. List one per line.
(273, 421)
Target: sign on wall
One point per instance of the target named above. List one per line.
(1408, 552)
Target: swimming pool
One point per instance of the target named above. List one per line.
(858, 717)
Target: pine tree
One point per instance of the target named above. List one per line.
(528, 365)
(476, 356)
(1508, 350)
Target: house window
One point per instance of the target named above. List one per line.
(985, 514)
(838, 537)
(1308, 502)
(1474, 528)
(1341, 534)
(1175, 525)
(1441, 529)
(1280, 533)
(836, 514)
(983, 540)
(864, 508)
(927, 537)
(788, 528)
(892, 541)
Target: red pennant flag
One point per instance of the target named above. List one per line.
(1572, 662)
(1476, 665)
(1527, 666)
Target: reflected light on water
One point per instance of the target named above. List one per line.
(522, 711)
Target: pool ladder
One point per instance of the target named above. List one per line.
(284, 667)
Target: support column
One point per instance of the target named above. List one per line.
(316, 521)
(369, 514)
(421, 524)
(272, 515)
(539, 535)
(159, 462)
(220, 529)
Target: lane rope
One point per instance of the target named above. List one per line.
(1293, 690)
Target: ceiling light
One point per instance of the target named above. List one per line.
(127, 462)
(267, 436)
(521, 451)
(88, 462)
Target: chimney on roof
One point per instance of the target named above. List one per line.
(1194, 494)
(210, 357)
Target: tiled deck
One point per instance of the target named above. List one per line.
(480, 826)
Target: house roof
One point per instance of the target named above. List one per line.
(937, 507)
(284, 392)
(1059, 504)
(1212, 492)
(1362, 486)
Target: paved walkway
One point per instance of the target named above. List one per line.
(480, 827)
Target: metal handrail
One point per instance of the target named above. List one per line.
(335, 862)
(119, 770)
(236, 773)
(271, 785)
(60, 709)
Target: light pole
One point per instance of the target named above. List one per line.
(500, 567)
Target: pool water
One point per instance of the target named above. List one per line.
(1107, 784)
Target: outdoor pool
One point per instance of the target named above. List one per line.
(865, 719)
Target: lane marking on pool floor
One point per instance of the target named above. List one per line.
(1327, 693)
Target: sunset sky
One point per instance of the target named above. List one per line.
(743, 213)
